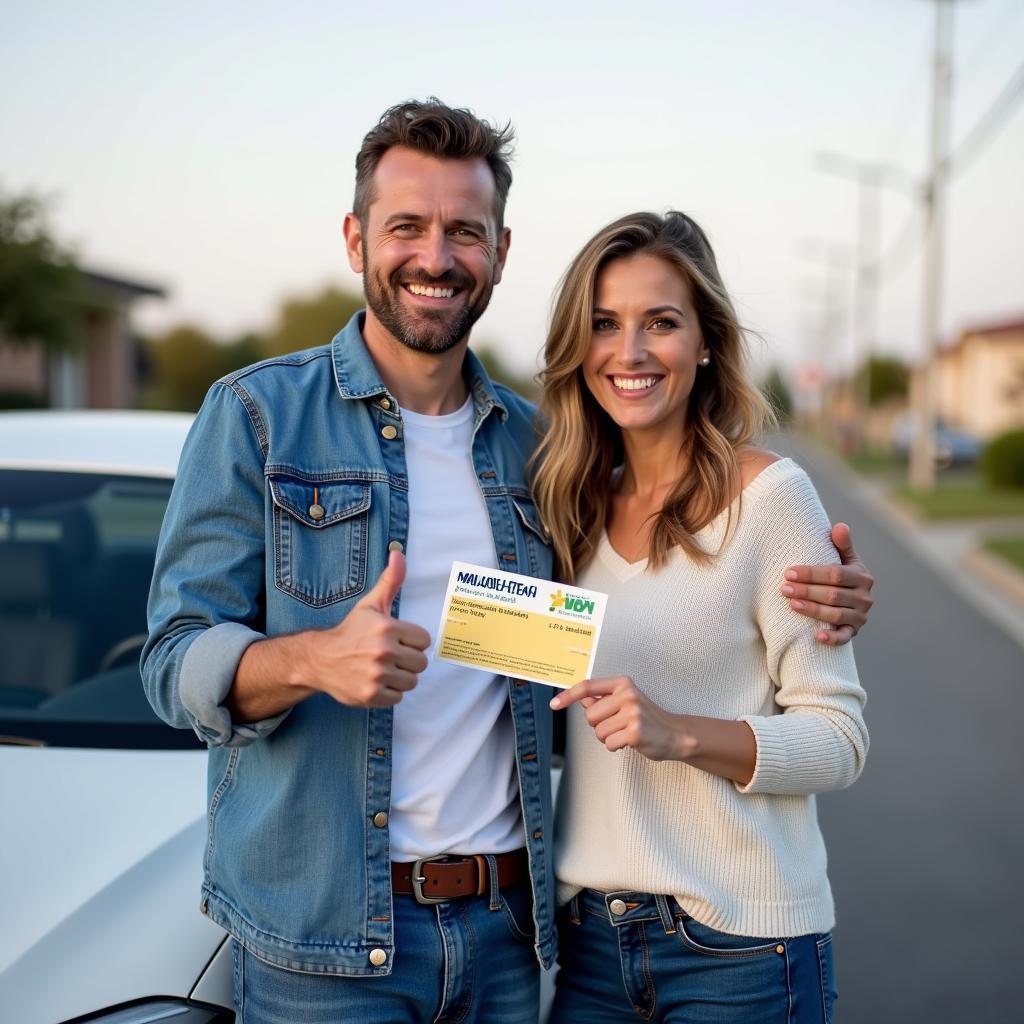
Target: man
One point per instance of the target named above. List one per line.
(380, 821)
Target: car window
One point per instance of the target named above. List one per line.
(76, 559)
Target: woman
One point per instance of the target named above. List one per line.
(688, 851)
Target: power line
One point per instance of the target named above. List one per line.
(1006, 16)
(898, 256)
(982, 132)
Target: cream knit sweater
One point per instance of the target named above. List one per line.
(719, 641)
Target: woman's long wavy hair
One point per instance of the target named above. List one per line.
(582, 446)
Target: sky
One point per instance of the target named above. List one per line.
(209, 148)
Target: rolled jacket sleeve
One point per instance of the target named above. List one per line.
(207, 600)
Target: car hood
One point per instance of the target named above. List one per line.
(100, 870)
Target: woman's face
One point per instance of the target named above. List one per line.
(645, 346)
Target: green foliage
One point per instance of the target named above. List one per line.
(1009, 548)
(1002, 461)
(499, 371)
(185, 361)
(964, 498)
(776, 391)
(39, 283)
(307, 322)
(888, 378)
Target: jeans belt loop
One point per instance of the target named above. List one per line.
(574, 910)
(667, 920)
(494, 892)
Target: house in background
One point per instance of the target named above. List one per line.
(104, 372)
(980, 379)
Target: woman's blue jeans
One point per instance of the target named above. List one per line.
(653, 962)
(467, 960)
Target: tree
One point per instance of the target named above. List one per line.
(307, 322)
(185, 361)
(498, 370)
(776, 391)
(887, 377)
(39, 283)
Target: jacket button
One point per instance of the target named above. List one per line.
(385, 403)
(380, 819)
(205, 908)
(617, 907)
(780, 948)
(378, 957)
(316, 512)
(389, 433)
(396, 545)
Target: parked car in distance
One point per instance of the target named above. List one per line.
(103, 805)
(952, 447)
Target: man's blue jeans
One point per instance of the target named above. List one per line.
(653, 962)
(469, 959)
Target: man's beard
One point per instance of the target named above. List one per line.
(434, 331)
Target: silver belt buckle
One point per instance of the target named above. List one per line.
(418, 878)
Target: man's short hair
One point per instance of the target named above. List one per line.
(434, 128)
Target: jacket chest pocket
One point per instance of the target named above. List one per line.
(320, 538)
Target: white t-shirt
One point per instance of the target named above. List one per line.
(453, 782)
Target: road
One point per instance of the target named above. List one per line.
(926, 850)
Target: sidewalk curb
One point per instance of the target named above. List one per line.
(996, 571)
(907, 527)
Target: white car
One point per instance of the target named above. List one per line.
(102, 806)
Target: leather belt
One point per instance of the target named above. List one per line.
(438, 879)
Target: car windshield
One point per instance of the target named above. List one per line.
(76, 557)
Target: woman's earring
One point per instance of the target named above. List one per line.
(706, 361)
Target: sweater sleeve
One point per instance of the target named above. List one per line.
(812, 737)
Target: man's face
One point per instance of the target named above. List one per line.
(429, 248)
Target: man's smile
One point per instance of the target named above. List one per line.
(430, 292)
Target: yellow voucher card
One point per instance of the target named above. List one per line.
(520, 626)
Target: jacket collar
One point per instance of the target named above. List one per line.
(357, 376)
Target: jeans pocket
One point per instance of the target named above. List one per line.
(826, 966)
(517, 906)
(702, 939)
(218, 794)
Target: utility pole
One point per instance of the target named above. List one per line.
(869, 178)
(922, 455)
(836, 259)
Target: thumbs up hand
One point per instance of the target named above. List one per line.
(369, 660)
(383, 593)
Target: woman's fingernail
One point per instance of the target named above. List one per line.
(799, 605)
(789, 591)
(791, 574)
(554, 702)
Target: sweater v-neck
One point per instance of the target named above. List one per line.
(624, 570)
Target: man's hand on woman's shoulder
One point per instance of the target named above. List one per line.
(839, 595)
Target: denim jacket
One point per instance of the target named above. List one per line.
(296, 866)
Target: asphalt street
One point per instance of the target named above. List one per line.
(926, 850)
